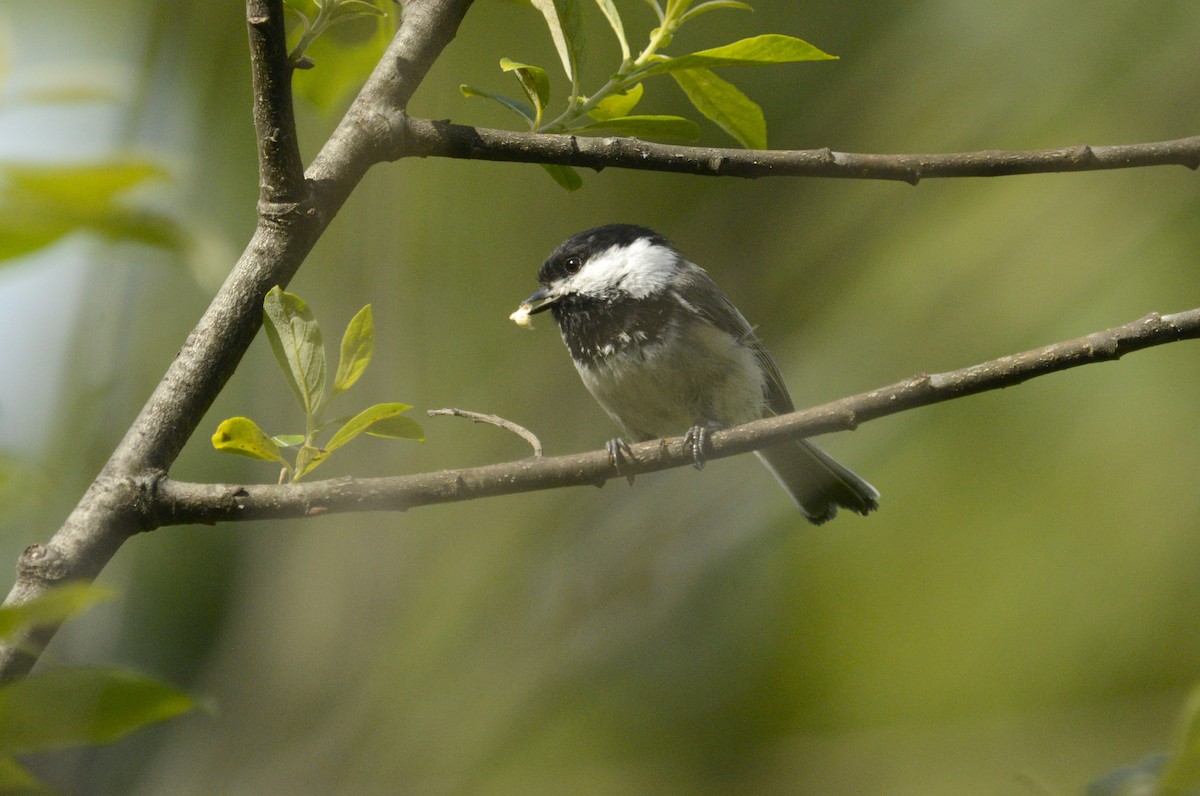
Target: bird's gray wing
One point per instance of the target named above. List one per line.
(698, 290)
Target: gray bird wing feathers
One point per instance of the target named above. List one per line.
(816, 482)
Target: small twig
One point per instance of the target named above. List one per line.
(494, 420)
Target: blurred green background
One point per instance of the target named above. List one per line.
(1020, 613)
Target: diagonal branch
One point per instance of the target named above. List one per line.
(424, 138)
(176, 503)
(293, 212)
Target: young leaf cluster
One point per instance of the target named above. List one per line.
(70, 706)
(610, 108)
(299, 348)
(344, 61)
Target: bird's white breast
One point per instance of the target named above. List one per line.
(695, 373)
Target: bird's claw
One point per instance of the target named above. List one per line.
(696, 441)
(619, 456)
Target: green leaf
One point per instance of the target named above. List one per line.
(723, 103)
(397, 427)
(771, 48)
(521, 109)
(358, 345)
(534, 81)
(242, 436)
(41, 204)
(348, 9)
(1182, 775)
(565, 22)
(17, 781)
(565, 176)
(617, 105)
(367, 421)
(299, 347)
(307, 460)
(674, 128)
(68, 95)
(614, 21)
(344, 56)
(288, 440)
(713, 5)
(307, 9)
(54, 607)
(81, 705)
(81, 185)
(676, 8)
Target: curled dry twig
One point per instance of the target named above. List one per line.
(494, 420)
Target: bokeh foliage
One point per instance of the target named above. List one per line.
(1022, 605)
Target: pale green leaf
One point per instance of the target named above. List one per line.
(16, 781)
(713, 5)
(617, 105)
(609, 9)
(565, 176)
(82, 705)
(51, 608)
(69, 95)
(344, 56)
(771, 48)
(397, 427)
(242, 436)
(1182, 775)
(80, 185)
(723, 103)
(533, 80)
(676, 8)
(42, 204)
(299, 348)
(521, 109)
(307, 460)
(364, 421)
(358, 346)
(288, 440)
(347, 9)
(305, 8)
(671, 128)
(24, 229)
(564, 20)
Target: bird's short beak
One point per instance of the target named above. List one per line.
(542, 295)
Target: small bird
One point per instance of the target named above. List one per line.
(663, 351)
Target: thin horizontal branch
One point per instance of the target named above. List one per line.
(176, 503)
(424, 138)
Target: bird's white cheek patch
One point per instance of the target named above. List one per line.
(639, 269)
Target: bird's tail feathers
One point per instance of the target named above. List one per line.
(817, 483)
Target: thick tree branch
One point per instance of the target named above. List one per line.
(292, 216)
(175, 503)
(424, 138)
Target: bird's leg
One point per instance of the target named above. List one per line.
(620, 454)
(696, 440)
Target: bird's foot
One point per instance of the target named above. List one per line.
(619, 456)
(696, 441)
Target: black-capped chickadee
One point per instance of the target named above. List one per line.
(663, 351)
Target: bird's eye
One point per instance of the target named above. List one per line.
(573, 265)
